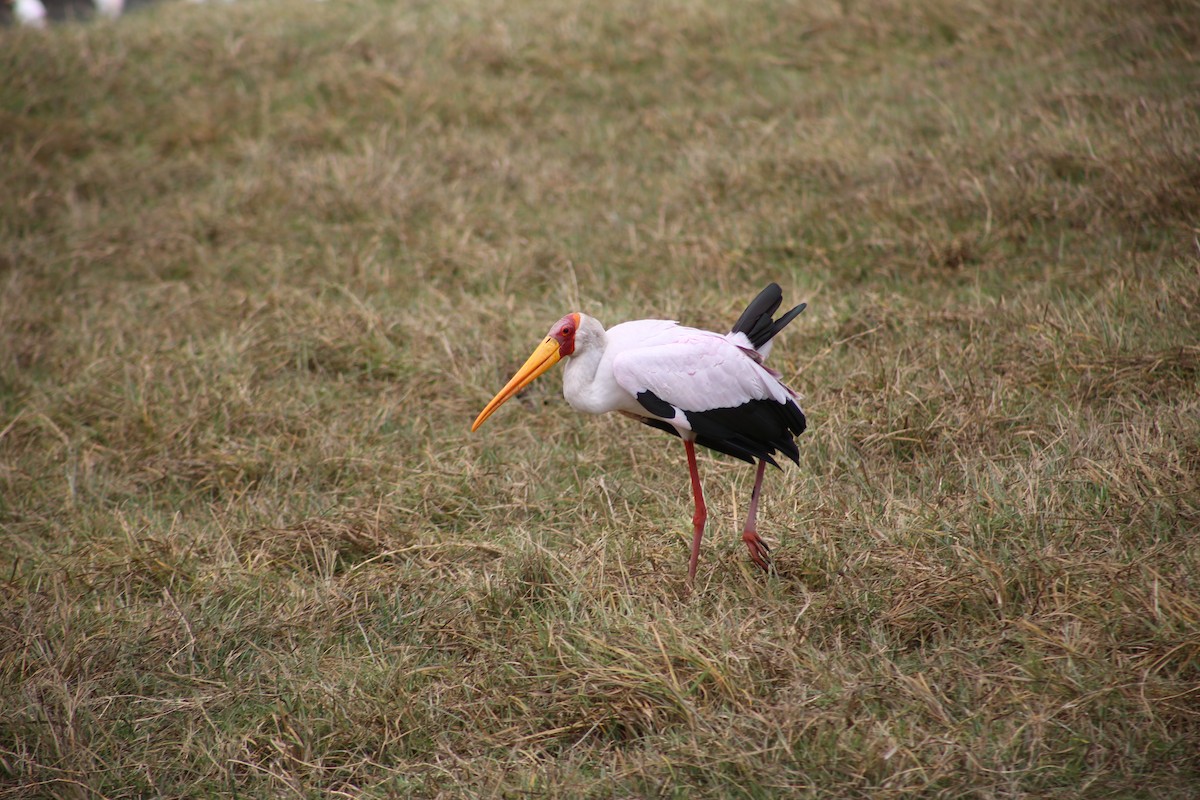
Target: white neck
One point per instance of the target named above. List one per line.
(580, 384)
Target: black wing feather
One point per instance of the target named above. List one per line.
(753, 430)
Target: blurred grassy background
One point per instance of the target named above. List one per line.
(262, 264)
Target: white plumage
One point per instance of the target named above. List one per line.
(697, 370)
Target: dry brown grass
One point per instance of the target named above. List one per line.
(263, 263)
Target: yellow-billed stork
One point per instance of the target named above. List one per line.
(707, 388)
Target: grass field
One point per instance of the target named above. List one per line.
(262, 264)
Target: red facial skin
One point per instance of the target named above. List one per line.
(563, 332)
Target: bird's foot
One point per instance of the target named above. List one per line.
(760, 554)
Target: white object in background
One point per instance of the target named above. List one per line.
(109, 8)
(30, 13)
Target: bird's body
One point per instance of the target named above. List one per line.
(707, 388)
(703, 385)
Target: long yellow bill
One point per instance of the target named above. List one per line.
(544, 357)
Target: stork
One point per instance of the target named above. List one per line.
(706, 388)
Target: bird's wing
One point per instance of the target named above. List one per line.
(695, 371)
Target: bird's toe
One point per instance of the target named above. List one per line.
(760, 553)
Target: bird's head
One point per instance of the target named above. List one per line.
(559, 343)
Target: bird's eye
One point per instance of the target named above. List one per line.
(566, 331)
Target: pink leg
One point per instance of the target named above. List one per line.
(701, 512)
(760, 554)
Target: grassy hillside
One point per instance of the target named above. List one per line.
(261, 264)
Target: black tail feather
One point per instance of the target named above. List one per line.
(756, 321)
(781, 323)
